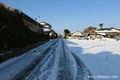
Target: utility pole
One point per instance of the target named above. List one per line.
(38, 22)
(35, 23)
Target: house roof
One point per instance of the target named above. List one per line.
(109, 28)
(46, 25)
(90, 28)
(76, 33)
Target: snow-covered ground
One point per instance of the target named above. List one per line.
(51, 61)
(81, 60)
(12, 67)
(101, 57)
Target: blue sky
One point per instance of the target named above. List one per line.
(71, 14)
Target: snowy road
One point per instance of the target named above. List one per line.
(51, 61)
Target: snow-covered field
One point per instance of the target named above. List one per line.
(101, 57)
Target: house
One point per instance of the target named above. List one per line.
(108, 33)
(47, 30)
(74, 35)
(89, 31)
(53, 34)
(32, 24)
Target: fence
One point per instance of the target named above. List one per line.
(17, 52)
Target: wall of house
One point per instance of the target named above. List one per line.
(74, 37)
(68, 36)
(76, 34)
(28, 23)
(32, 26)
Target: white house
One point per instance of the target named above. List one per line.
(47, 30)
(74, 35)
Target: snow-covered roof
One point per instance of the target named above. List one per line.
(46, 25)
(106, 31)
(102, 33)
(43, 23)
(76, 33)
(46, 30)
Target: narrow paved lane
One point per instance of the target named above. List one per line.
(64, 70)
(57, 56)
(53, 61)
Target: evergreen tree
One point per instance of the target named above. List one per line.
(66, 32)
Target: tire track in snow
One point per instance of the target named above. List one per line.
(43, 69)
(26, 71)
(82, 71)
(63, 66)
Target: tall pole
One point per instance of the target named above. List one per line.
(38, 22)
(35, 23)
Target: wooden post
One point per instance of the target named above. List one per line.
(107, 57)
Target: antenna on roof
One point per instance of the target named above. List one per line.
(93, 24)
